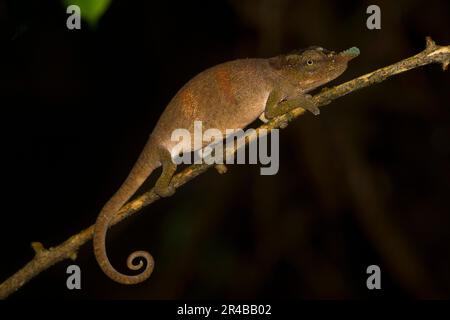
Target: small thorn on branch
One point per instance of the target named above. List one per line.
(38, 248)
(73, 256)
(430, 43)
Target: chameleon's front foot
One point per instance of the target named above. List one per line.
(309, 105)
(165, 191)
(274, 109)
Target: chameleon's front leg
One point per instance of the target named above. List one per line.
(162, 186)
(277, 106)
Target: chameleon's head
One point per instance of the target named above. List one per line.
(314, 66)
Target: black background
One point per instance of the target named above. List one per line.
(365, 183)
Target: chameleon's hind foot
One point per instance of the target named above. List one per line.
(163, 188)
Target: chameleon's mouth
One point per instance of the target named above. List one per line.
(350, 53)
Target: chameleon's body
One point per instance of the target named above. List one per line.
(228, 96)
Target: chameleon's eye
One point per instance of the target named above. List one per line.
(310, 62)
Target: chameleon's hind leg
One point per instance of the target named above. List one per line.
(162, 186)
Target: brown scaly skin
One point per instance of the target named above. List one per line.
(228, 96)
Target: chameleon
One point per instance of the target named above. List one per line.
(231, 95)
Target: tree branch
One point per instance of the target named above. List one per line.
(45, 258)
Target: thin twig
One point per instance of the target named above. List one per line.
(45, 258)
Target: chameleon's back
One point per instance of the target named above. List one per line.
(228, 96)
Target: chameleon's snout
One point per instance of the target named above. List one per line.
(350, 53)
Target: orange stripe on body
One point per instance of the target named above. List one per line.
(189, 104)
(225, 85)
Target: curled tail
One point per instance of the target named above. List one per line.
(141, 170)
